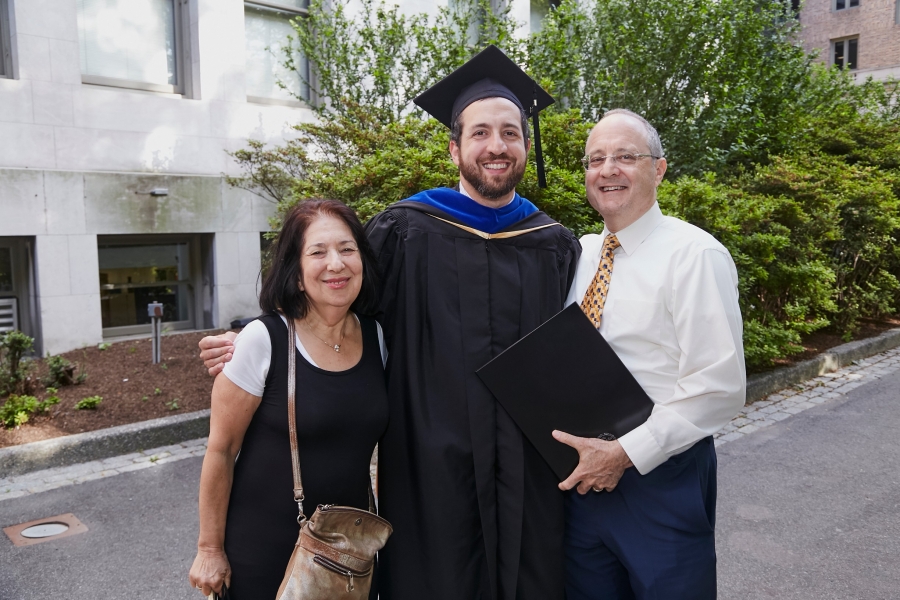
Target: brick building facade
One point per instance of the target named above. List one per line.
(863, 35)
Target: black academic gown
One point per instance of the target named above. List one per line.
(476, 510)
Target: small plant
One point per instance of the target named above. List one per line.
(164, 367)
(62, 372)
(89, 403)
(144, 399)
(157, 392)
(14, 372)
(172, 404)
(103, 346)
(17, 409)
(132, 350)
(154, 458)
(51, 400)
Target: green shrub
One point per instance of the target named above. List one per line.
(851, 217)
(89, 403)
(784, 282)
(14, 371)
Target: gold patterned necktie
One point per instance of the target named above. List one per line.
(595, 297)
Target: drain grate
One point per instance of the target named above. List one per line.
(44, 530)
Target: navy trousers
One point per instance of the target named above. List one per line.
(649, 539)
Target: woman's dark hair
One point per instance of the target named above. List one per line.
(280, 287)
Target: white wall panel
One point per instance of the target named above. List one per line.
(237, 209)
(26, 145)
(52, 103)
(70, 322)
(16, 104)
(236, 302)
(64, 199)
(98, 107)
(33, 57)
(51, 257)
(84, 275)
(22, 202)
(64, 64)
(47, 18)
(249, 259)
(228, 253)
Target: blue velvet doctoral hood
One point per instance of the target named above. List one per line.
(469, 212)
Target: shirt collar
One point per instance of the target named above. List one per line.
(634, 235)
(465, 192)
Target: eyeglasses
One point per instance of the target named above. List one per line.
(625, 159)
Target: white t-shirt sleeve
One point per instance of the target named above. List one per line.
(249, 365)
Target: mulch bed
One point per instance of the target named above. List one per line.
(133, 389)
(820, 341)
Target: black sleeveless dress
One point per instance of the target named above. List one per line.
(340, 417)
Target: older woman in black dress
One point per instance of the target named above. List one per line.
(322, 276)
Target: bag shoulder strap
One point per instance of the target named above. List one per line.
(292, 418)
(292, 425)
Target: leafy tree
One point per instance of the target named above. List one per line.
(790, 164)
(381, 58)
(726, 82)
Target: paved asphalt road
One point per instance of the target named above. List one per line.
(808, 508)
(140, 543)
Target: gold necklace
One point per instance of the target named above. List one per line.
(335, 347)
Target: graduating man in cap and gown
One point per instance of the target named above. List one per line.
(467, 272)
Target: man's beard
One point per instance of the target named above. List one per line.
(492, 189)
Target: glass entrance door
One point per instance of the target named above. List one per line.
(134, 275)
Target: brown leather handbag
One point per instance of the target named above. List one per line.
(335, 552)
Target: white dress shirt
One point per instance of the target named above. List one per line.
(672, 316)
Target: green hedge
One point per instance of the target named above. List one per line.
(814, 235)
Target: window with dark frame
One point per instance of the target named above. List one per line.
(136, 44)
(267, 27)
(844, 53)
(6, 70)
(136, 272)
(843, 4)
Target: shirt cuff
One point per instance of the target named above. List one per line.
(642, 448)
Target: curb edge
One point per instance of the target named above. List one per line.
(762, 384)
(103, 443)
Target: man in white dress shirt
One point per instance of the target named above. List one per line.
(664, 295)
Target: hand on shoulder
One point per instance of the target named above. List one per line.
(216, 350)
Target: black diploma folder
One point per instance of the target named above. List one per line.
(564, 375)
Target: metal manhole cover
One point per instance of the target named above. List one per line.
(44, 530)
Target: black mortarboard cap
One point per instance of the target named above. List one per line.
(489, 74)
